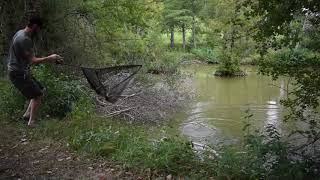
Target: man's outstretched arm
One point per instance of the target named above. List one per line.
(27, 52)
(51, 58)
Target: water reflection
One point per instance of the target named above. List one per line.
(217, 114)
(273, 115)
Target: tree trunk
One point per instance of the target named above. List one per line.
(194, 32)
(172, 38)
(184, 36)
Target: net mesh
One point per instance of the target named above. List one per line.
(110, 82)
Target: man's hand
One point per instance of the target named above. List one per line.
(54, 58)
(59, 61)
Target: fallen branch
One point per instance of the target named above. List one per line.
(131, 95)
(101, 102)
(118, 112)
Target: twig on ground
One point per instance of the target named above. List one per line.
(131, 95)
(118, 112)
(101, 102)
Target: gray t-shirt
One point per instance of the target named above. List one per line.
(21, 44)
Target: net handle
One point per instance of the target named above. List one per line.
(70, 65)
(80, 67)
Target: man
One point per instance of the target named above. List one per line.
(21, 56)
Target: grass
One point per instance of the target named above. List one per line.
(144, 150)
(136, 146)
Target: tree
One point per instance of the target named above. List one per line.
(276, 16)
(229, 33)
(194, 7)
(182, 14)
(175, 16)
(289, 30)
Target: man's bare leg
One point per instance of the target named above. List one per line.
(27, 113)
(33, 109)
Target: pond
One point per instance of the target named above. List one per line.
(217, 114)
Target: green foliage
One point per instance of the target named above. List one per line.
(263, 154)
(288, 32)
(3, 66)
(229, 66)
(69, 31)
(167, 63)
(228, 31)
(97, 33)
(134, 149)
(174, 155)
(276, 16)
(11, 101)
(180, 12)
(205, 54)
(175, 15)
(93, 141)
(63, 95)
(301, 65)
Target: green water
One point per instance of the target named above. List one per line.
(217, 114)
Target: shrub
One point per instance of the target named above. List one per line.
(229, 65)
(166, 63)
(63, 95)
(205, 54)
(11, 100)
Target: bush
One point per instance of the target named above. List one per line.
(63, 95)
(229, 65)
(11, 101)
(166, 63)
(205, 54)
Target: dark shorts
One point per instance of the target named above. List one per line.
(26, 84)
